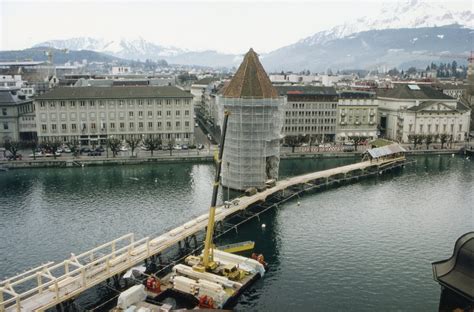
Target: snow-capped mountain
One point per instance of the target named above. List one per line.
(133, 49)
(403, 14)
(415, 28)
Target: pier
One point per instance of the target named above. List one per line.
(51, 283)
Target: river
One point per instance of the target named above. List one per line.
(363, 246)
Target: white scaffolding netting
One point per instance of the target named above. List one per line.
(252, 146)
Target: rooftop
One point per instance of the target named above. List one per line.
(408, 91)
(127, 92)
(306, 90)
(250, 80)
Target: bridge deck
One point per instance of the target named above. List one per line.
(51, 284)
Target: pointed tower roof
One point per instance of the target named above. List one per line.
(250, 80)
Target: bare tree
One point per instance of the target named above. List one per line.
(171, 143)
(428, 140)
(133, 143)
(33, 145)
(73, 145)
(12, 147)
(114, 145)
(293, 141)
(152, 144)
(443, 138)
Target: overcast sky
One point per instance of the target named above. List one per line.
(226, 26)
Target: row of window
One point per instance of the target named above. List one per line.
(314, 105)
(436, 128)
(112, 103)
(302, 129)
(311, 121)
(310, 113)
(131, 114)
(131, 125)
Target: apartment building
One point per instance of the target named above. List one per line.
(16, 115)
(93, 114)
(310, 110)
(356, 115)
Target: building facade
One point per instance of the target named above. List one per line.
(93, 114)
(420, 109)
(14, 107)
(356, 115)
(311, 111)
(252, 146)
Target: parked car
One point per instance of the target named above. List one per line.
(200, 146)
(66, 150)
(184, 147)
(94, 153)
(85, 150)
(177, 147)
(100, 149)
(123, 149)
(17, 157)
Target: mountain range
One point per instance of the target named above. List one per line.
(403, 34)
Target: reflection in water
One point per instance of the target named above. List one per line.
(347, 248)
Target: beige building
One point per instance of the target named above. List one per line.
(93, 114)
(16, 116)
(356, 115)
(420, 109)
(310, 110)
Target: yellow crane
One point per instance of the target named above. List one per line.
(208, 258)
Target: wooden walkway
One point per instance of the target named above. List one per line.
(50, 284)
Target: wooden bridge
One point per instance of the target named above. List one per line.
(51, 284)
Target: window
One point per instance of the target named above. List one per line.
(460, 128)
(4, 111)
(53, 127)
(140, 125)
(43, 127)
(122, 125)
(63, 126)
(130, 114)
(178, 124)
(159, 124)
(82, 103)
(140, 102)
(131, 125)
(93, 125)
(5, 126)
(73, 126)
(421, 128)
(168, 113)
(150, 114)
(158, 113)
(150, 125)
(52, 105)
(101, 104)
(42, 104)
(168, 102)
(112, 125)
(186, 123)
(176, 102)
(168, 124)
(140, 114)
(72, 104)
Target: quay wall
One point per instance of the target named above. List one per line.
(92, 161)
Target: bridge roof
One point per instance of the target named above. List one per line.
(385, 150)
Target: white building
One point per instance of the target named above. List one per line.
(419, 109)
(14, 108)
(121, 70)
(356, 115)
(93, 114)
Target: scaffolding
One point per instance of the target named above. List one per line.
(252, 147)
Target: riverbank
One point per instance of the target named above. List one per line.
(83, 161)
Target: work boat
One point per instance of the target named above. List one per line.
(213, 279)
